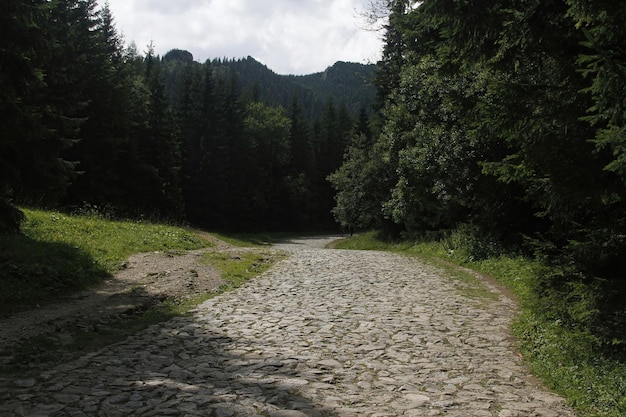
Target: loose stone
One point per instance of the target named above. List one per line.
(324, 333)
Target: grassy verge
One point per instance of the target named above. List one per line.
(58, 254)
(238, 269)
(44, 351)
(470, 286)
(595, 385)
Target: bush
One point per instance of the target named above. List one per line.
(467, 244)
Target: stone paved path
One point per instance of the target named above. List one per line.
(325, 333)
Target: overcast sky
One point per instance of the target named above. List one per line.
(289, 36)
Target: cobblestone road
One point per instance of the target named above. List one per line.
(324, 333)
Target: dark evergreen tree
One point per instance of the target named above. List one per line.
(298, 180)
(335, 130)
(358, 186)
(106, 130)
(387, 78)
(160, 147)
(194, 113)
(52, 101)
(267, 130)
(363, 126)
(239, 145)
(22, 41)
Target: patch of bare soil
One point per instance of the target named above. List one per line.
(144, 280)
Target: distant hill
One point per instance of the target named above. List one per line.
(344, 82)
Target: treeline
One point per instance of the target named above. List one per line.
(506, 119)
(90, 123)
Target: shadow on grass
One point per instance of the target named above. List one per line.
(33, 272)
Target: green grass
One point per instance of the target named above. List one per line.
(369, 241)
(470, 287)
(237, 269)
(565, 359)
(58, 254)
(108, 242)
(44, 351)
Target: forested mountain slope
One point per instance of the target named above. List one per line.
(346, 83)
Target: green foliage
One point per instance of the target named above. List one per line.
(50, 349)
(505, 117)
(370, 241)
(268, 160)
(87, 121)
(602, 64)
(566, 359)
(345, 82)
(355, 182)
(59, 254)
(33, 136)
(435, 159)
(466, 244)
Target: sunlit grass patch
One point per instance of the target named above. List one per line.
(238, 268)
(58, 254)
(108, 242)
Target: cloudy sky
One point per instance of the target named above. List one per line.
(289, 36)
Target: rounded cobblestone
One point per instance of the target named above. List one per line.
(324, 333)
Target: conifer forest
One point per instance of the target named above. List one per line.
(505, 119)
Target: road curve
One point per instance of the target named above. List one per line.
(324, 333)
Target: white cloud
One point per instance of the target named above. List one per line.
(289, 36)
